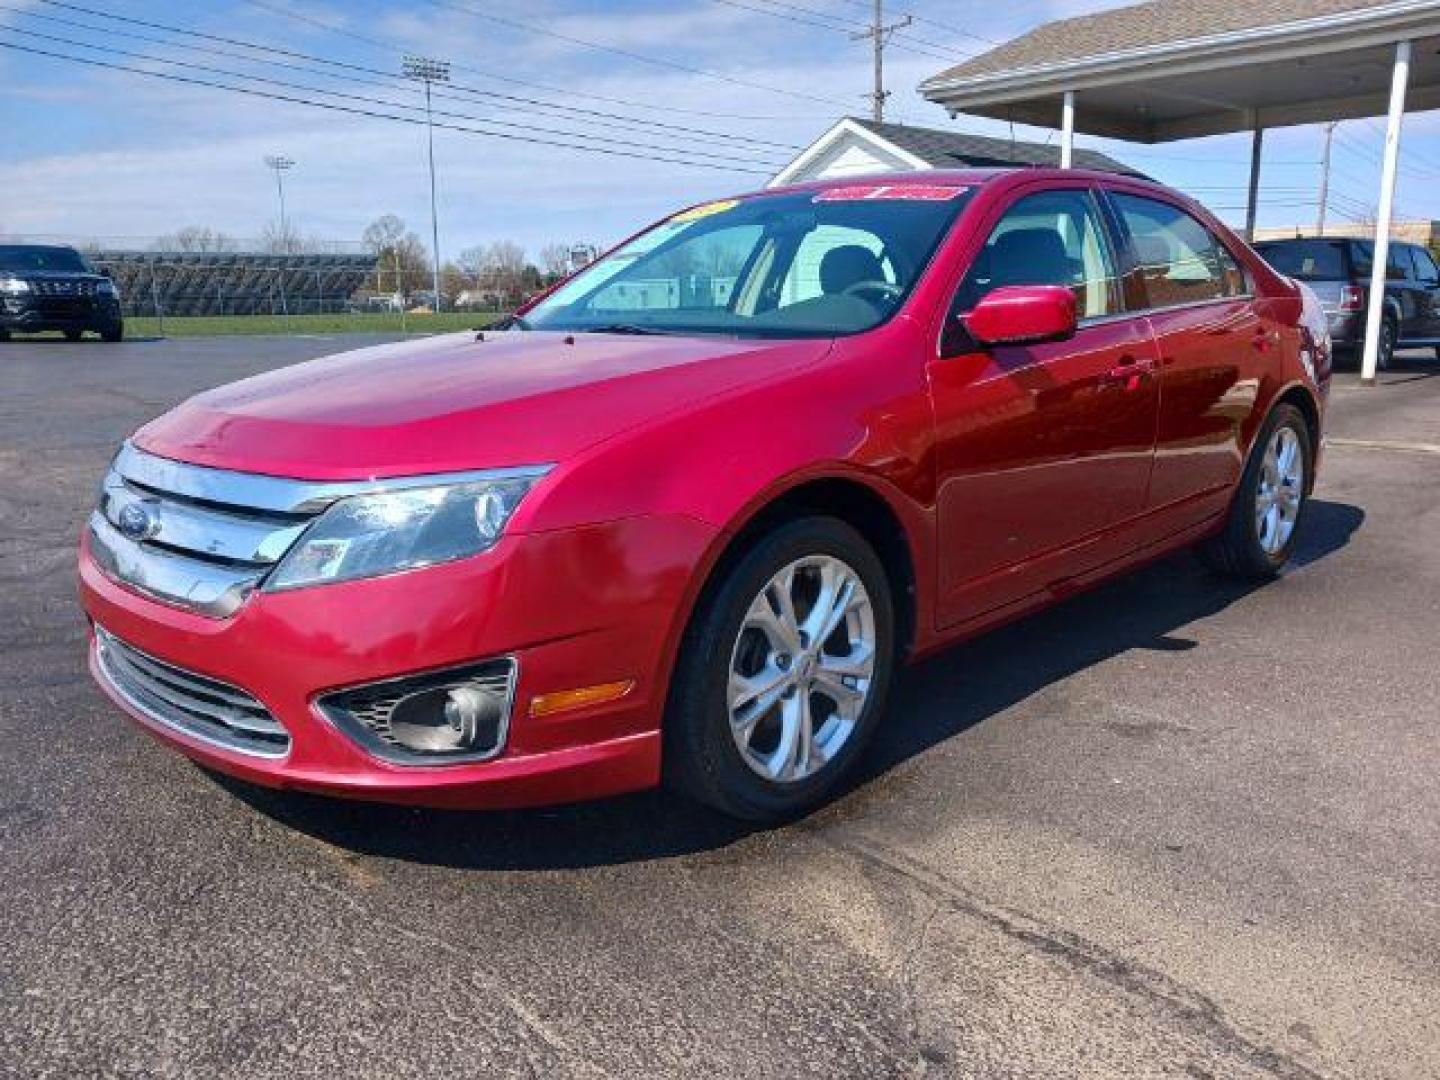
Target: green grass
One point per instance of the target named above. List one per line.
(382, 323)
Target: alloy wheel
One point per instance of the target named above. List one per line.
(1281, 490)
(802, 669)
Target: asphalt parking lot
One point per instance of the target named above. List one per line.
(1173, 827)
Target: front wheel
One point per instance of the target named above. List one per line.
(113, 333)
(1259, 535)
(783, 674)
(72, 335)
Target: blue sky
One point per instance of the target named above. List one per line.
(100, 153)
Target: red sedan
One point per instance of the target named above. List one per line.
(682, 518)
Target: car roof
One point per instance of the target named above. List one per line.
(971, 178)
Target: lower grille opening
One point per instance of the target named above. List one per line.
(194, 704)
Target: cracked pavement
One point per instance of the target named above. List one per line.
(1172, 827)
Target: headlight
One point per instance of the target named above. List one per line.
(367, 535)
(13, 286)
(107, 288)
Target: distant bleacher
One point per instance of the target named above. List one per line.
(209, 283)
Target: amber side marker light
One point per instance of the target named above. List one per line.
(565, 700)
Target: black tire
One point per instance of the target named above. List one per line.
(73, 335)
(1385, 352)
(702, 760)
(1236, 551)
(113, 333)
(4, 335)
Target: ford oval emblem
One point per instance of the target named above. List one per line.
(138, 520)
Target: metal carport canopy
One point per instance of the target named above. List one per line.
(1178, 69)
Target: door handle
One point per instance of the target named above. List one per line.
(1263, 339)
(1130, 371)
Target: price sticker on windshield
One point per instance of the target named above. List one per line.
(904, 192)
(704, 210)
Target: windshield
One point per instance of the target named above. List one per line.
(41, 260)
(822, 263)
(1307, 260)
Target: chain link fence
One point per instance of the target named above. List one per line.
(284, 290)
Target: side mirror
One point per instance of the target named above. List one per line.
(1023, 315)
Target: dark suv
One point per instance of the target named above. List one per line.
(52, 288)
(1339, 269)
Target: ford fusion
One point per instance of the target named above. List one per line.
(681, 519)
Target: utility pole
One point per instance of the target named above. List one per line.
(1324, 179)
(879, 35)
(428, 72)
(280, 163)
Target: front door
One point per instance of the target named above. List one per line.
(1215, 349)
(1042, 451)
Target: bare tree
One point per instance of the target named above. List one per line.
(555, 259)
(383, 233)
(281, 238)
(402, 259)
(200, 238)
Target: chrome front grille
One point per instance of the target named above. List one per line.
(204, 539)
(199, 538)
(42, 287)
(194, 704)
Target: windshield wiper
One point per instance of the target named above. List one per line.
(624, 328)
(510, 322)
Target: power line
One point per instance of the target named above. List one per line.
(640, 58)
(305, 88)
(515, 102)
(948, 27)
(372, 113)
(569, 91)
(792, 13)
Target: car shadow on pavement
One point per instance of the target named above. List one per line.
(932, 701)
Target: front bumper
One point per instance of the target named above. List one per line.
(33, 315)
(575, 608)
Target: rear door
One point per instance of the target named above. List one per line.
(1042, 451)
(1214, 351)
(1426, 280)
(1409, 296)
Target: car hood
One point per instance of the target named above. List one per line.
(452, 403)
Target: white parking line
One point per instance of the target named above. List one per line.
(1397, 445)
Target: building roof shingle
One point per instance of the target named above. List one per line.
(1159, 22)
(955, 149)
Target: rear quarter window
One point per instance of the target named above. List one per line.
(1307, 260)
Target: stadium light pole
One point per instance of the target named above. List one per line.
(428, 72)
(280, 163)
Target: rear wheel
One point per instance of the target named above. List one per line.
(72, 335)
(113, 333)
(1260, 533)
(1389, 334)
(783, 674)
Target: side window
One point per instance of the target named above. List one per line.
(1425, 268)
(1179, 260)
(1231, 272)
(805, 279)
(1051, 238)
(1397, 263)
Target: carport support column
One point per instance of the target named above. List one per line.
(1067, 130)
(1399, 79)
(1252, 202)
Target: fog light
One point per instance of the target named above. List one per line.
(439, 718)
(446, 720)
